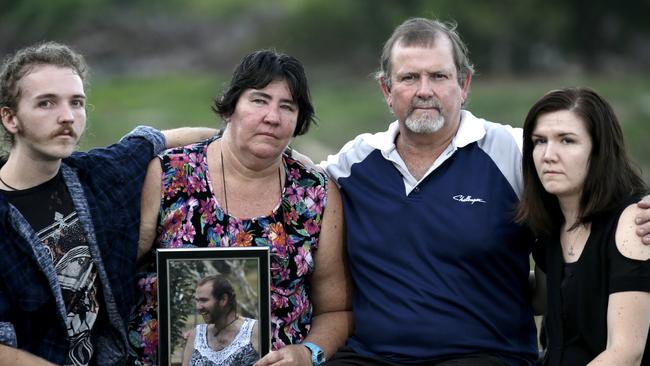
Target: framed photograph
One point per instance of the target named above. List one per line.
(184, 304)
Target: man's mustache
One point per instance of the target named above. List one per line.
(425, 103)
(64, 131)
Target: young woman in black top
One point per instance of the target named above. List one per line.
(579, 196)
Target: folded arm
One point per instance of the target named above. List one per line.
(628, 313)
(331, 283)
(628, 321)
(150, 206)
(10, 356)
(331, 291)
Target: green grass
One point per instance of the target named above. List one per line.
(345, 108)
(119, 104)
(507, 101)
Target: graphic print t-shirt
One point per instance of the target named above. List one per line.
(49, 210)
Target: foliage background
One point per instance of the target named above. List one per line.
(161, 63)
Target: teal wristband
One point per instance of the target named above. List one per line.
(317, 354)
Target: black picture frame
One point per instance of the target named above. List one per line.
(179, 269)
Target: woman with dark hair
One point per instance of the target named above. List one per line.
(580, 194)
(244, 188)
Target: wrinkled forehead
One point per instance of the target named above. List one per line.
(420, 39)
(276, 89)
(437, 56)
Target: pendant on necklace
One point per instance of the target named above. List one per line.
(571, 253)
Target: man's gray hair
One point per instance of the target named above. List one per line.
(424, 32)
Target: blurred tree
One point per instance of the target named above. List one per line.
(601, 30)
(29, 21)
(505, 36)
(502, 35)
(335, 32)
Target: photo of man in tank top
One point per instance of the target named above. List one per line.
(226, 338)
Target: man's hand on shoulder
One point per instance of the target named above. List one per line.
(187, 135)
(305, 160)
(642, 220)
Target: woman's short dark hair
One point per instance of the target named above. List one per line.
(259, 69)
(610, 176)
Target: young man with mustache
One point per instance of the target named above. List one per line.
(68, 220)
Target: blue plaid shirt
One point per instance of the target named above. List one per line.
(105, 186)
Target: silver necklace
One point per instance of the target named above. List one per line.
(571, 253)
(578, 229)
(223, 180)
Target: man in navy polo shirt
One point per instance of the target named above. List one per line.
(441, 271)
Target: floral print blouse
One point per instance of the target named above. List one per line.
(190, 216)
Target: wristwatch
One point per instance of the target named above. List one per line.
(317, 354)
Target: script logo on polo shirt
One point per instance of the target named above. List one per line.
(467, 199)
